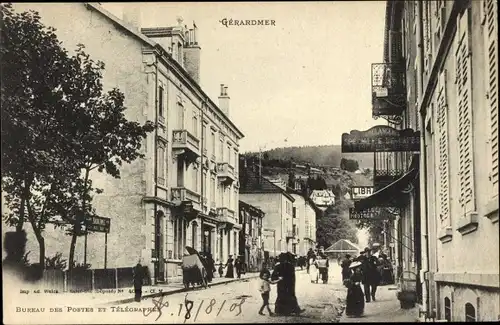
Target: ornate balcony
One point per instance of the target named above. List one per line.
(388, 90)
(225, 173)
(185, 144)
(182, 194)
(226, 215)
(384, 177)
(290, 234)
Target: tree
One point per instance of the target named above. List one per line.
(57, 126)
(106, 138)
(335, 225)
(350, 165)
(35, 161)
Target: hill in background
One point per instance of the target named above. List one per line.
(327, 156)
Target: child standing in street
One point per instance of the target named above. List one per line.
(265, 290)
(221, 269)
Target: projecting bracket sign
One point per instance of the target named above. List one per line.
(375, 213)
(381, 138)
(361, 192)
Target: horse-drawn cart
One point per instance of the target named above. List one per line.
(194, 271)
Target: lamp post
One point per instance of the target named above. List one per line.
(274, 238)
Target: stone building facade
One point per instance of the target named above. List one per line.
(451, 66)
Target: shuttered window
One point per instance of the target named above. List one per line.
(442, 136)
(464, 94)
(440, 20)
(491, 24)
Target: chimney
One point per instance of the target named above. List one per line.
(224, 100)
(132, 14)
(192, 53)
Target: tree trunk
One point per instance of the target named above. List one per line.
(20, 222)
(77, 225)
(38, 235)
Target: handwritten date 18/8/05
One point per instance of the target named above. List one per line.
(191, 311)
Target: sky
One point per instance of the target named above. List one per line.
(304, 81)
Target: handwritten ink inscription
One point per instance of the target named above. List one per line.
(160, 307)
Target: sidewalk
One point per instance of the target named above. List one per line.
(386, 309)
(127, 296)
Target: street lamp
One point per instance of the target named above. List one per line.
(274, 238)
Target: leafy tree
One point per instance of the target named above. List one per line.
(57, 126)
(349, 165)
(35, 156)
(335, 225)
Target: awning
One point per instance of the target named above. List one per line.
(390, 196)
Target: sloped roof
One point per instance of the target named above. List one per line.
(343, 245)
(251, 182)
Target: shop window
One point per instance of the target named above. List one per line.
(447, 309)
(470, 313)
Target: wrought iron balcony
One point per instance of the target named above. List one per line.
(388, 89)
(184, 143)
(225, 172)
(290, 234)
(182, 194)
(384, 177)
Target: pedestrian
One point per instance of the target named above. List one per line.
(138, 281)
(313, 270)
(264, 270)
(238, 265)
(286, 301)
(230, 267)
(371, 275)
(323, 266)
(346, 270)
(221, 269)
(310, 255)
(355, 303)
(265, 291)
(210, 266)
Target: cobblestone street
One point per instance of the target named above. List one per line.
(318, 300)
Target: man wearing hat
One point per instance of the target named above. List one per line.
(371, 275)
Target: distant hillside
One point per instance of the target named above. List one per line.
(328, 156)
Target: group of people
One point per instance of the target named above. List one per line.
(283, 275)
(365, 269)
(231, 265)
(317, 265)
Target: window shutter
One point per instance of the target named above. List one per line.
(464, 92)
(442, 134)
(492, 82)
(440, 20)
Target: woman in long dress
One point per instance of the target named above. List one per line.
(313, 270)
(355, 301)
(230, 267)
(286, 301)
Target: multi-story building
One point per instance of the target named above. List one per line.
(277, 205)
(185, 191)
(455, 70)
(439, 76)
(251, 238)
(304, 217)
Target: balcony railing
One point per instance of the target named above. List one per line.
(226, 215)
(184, 141)
(225, 172)
(182, 194)
(388, 89)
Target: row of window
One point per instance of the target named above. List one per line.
(226, 153)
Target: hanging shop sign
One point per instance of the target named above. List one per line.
(381, 138)
(375, 213)
(360, 192)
